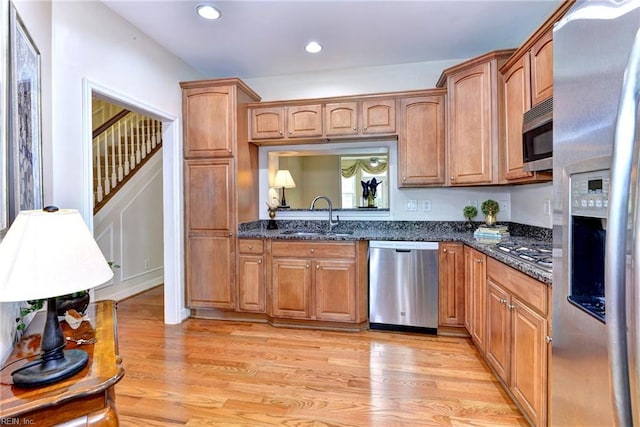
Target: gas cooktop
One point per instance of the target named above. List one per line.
(537, 254)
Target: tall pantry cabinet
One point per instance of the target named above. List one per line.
(220, 186)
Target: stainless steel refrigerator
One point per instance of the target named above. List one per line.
(596, 216)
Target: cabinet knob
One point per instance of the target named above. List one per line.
(404, 178)
(259, 261)
(354, 128)
(312, 250)
(250, 246)
(479, 261)
(511, 306)
(451, 178)
(280, 132)
(317, 267)
(365, 128)
(444, 250)
(307, 266)
(290, 132)
(548, 339)
(503, 301)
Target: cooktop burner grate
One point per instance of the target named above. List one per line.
(535, 254)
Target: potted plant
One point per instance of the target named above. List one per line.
(469, 212)
(490, 209)
(78, 301)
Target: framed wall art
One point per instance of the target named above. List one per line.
(25, 133)
(4, 121)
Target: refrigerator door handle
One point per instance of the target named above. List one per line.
(616, 239)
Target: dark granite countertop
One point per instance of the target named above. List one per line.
(426, 231)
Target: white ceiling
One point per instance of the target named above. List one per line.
(267, 38)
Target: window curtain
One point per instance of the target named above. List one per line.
(358, 165)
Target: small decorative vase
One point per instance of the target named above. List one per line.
(468, 225)
(272, 224)
(490, 219)
(371, 201)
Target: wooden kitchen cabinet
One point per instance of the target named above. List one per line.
(473, 118)
(475, 287)
(216, 152)
(251, 276)
(525, 73)
(304, 121)
(517, 333)
(421, 140)
(451, 295)
(318, 280)
(267, 123)
(378, 116)
(374, 116)
(541, 57)
(342, 118)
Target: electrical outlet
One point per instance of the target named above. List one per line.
(472, 203)
(411, 205)
(426, 205)
(504, 205)
(546, 207)
(147, 263)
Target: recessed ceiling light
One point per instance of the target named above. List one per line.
(208, 11)
(313, 47)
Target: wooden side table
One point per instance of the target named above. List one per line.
(87, 398)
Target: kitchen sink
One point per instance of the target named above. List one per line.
(316, 233)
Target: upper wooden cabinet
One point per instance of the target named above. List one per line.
(304, 121)
(473, 116)
(421, 140)
(541, 56)
(318, 120)
(367, 117)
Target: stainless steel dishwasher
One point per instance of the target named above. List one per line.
(403, 286)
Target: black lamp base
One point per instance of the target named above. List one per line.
(55, 363)
(52, 371)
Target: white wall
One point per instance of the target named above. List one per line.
(531, 204)
(92, 44)
(128, 229)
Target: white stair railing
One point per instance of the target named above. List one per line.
(119, 149)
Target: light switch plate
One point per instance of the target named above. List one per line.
(411, 205)
(426, 205)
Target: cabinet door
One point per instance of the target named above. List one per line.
(341, 118)
(470, 126)
(477, 283)
(542, 69)
(516, 101)
(529, 361)
(304, 121)
(209, 272)
(291, 288)
(251, 289)
(335, 290)
(468, 297)
(209, 116)
(498, 329)
(379, 116)
(451, 284)
(267, 123)
(209, 195)
(421, 152)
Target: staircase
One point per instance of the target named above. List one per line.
(120, 147)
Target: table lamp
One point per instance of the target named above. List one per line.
(283, 179)
(47, 253)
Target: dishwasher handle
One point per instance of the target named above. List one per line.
(403, 250)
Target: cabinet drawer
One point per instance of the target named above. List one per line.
(533, 292)
(251, 246)
(306, 249)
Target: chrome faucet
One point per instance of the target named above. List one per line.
(331, 223)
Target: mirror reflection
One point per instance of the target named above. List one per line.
(351, 181)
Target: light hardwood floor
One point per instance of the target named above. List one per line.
(214, 373)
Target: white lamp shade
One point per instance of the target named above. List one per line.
(284, 179)
(47, 254)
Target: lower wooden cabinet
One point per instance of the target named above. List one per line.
(475, 285)
(210, 279)
(451, 296)
(516, 345)
(251, 276)
(318, 280)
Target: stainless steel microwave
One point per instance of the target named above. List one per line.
(537, 137)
